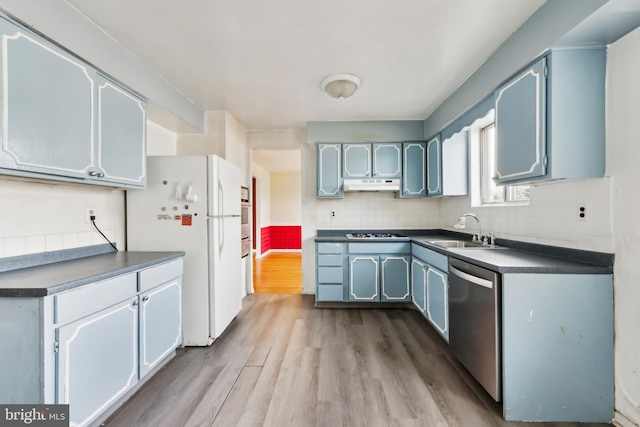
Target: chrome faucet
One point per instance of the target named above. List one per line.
(477, 237)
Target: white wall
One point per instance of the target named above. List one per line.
(263, 202)
(286, 202)
(623, 155)
(550, 218)
(45, 216)
(160, 141)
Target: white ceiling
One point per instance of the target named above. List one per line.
(263, 61)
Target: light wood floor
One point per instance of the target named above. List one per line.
(278, 273)
(283, 362)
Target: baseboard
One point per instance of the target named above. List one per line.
(264, 254)
(622, 421)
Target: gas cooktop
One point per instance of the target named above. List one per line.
(372, 236)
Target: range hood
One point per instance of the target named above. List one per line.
(371, 184)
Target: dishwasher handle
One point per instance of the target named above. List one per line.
(472, 279)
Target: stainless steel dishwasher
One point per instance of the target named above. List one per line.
(474, 322)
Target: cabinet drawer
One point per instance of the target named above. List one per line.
(91, 298)
(159, 274)
(330, 248)
(332, 260)
(380, 248)
(330, 275)
(433, 258)
(330, 293)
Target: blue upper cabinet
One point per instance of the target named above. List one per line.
(47, 110)
(550, 118)
(121, 134)
(377, 160)
(357, 161)
(387, 160)
(434, 166)
(414, 169)
(62, 121)
(329, 163)
(520, 126)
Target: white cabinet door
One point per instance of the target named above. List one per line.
(160, 326)
(97, 360)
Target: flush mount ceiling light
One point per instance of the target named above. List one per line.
(341, 85)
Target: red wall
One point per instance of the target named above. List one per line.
(281, 237)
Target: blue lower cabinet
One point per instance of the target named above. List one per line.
(419, 285)
(395, 278)
(160, 324)
(97, 361)
(364, 278)
(330, 272)
(438, 301)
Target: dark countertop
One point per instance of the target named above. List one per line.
(510, 257)
(39, 281)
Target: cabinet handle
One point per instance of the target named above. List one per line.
(100, 175)
(145, 298)
(93, 173)
(135, 302)
(96, 174)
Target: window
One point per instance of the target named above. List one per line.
(483, 149)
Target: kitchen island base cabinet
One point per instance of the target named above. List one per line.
(557, 347)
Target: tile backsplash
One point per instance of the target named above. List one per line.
(43, 217)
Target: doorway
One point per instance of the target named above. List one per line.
(277, 221)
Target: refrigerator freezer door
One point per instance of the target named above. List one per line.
(225, 188)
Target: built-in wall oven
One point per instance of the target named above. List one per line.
(245, 221)
(474, 323)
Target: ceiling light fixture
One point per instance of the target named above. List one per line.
(341, 85)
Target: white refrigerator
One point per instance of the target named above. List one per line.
(192, 204)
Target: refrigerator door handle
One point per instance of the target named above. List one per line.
(221, 234)
(220, 199)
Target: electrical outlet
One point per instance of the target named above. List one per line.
(582, 211)
(89, 212)
(333, 214)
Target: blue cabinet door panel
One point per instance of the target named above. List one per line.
(395, 278)
(357, 160)
(160, 324)
(387, 160)
(364, 278)
(48, 107)
(121, 135)
(419, 285)
(434, 167)
(97, 360)
(329, 164)
(414, 169)
(521, 126)
(438, 301)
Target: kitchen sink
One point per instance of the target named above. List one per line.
(462, 244)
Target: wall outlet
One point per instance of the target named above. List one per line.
(332, 214)
(89, 212)
(582, 211)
